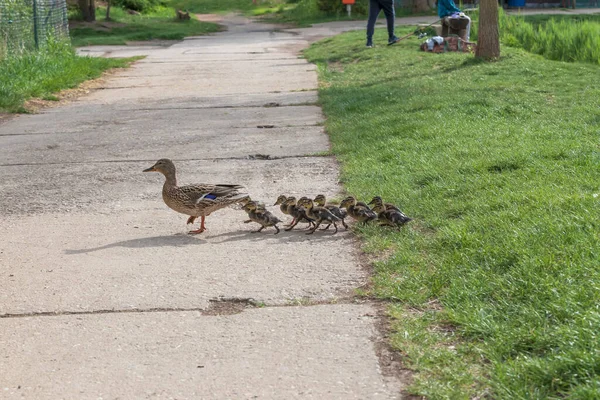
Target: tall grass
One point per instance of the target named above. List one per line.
(223, 6)
(558, 39)
(47, 71)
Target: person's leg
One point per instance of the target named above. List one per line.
(468, 29)
(374, 9)
(390, 15)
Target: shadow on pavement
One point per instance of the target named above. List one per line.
(178, 240)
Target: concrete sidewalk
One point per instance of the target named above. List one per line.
(105, 296)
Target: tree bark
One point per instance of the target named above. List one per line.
(88, 10)
(488, 45)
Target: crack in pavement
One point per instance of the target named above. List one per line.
(214, 129)
(217, 306)
(250, 157)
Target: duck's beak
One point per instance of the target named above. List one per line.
(151, 169)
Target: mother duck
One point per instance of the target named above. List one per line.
(197, 200)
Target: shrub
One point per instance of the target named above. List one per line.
(138, 5)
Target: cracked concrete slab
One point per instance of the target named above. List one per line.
(270, 353)
(122, 260)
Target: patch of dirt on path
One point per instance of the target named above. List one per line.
(216, 18)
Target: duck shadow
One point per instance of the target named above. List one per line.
(184, 240)
(177, 240)
(295, 235)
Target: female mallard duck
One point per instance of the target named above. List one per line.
(195, 200)
(259, 214)
(321, 201)
(318, 213)
(358, 210)
(390, 216)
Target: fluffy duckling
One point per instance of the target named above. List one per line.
(259, 214)
(321, 201)
(298, 212)
(318, 213)
(377, 201)
(390, 216)
(281, 203)
(358, 210)
(388, 206)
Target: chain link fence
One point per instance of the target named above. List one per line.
(28, 24)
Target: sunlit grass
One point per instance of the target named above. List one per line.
(45, 72)
(123, 27)
(496, 283)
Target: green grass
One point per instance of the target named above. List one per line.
(46, 72)
(495, 286)
(558, 37)
(224, 6)
(157, 24)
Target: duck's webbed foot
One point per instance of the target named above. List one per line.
(202, 227)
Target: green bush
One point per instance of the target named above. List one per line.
(139, 5)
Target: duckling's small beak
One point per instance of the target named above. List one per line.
(151, 169)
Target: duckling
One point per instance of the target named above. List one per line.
(298, 212)
(390, 216)
(388, 206)
(259, 214)
(321, 201)
(318, 213)
(283, 207)
(281, 203)
(259, 204)
(358, 210)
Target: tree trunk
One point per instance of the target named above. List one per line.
(488, 45)
(88, 10)
(108, 10)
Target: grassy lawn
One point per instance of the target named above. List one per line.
(44, 73)
(494, 288)
(224, 6)
(123, 27)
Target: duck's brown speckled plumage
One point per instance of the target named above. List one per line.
(198, 200)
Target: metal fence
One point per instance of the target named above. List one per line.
(29, 24)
